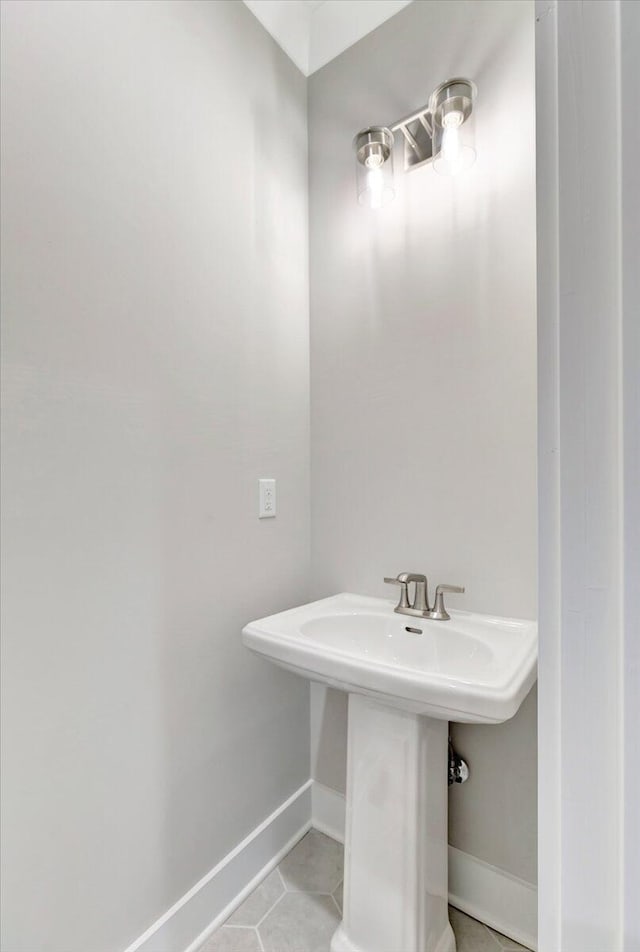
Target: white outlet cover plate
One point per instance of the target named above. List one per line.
(267, 498)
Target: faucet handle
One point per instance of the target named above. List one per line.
(421, 597)
(439, 612)
(404, 589)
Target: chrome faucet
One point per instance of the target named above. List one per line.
(420, 607)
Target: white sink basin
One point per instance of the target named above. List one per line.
(473, 668)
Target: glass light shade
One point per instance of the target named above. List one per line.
(374, 166)
(451, 106)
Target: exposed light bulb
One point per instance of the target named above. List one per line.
(375, 158)
(451, 145)
(375, 185)
(451, 148)
(452, 119)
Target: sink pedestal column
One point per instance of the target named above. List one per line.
(395, 877)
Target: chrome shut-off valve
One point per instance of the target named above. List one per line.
(458, 768)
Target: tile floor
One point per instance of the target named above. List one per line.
(298, 907)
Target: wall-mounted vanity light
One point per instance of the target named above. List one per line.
(374, 169)
(441, 132)
(451, 108)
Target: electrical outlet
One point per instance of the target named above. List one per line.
(267, 495)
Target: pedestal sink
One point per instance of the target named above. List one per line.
(406, 678)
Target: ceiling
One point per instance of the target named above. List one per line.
(313, 32)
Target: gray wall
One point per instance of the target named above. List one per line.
(155, 364)
(423, 370)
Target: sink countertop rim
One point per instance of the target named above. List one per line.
(503, 690)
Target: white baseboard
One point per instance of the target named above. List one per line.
(489, 894)
(328, 811)
(495, 897)
(207, 904)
